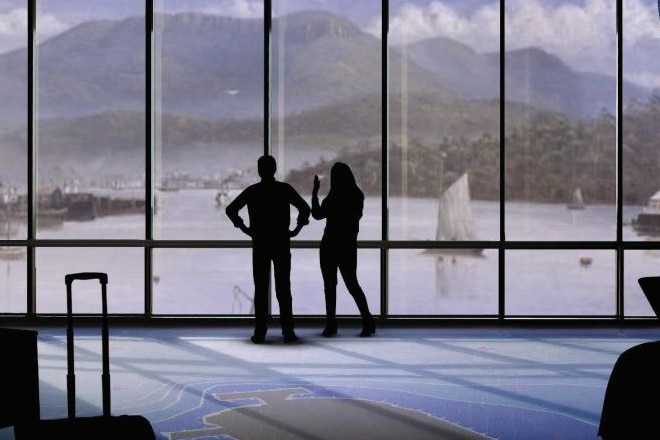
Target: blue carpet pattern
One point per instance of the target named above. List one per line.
(514, 384)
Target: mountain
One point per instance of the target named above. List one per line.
(533, 76)
(210, 66)
(205, 65)
(465, 72)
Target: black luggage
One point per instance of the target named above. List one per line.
(106, 426)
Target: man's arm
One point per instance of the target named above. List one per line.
(301, 205)
(232, 211)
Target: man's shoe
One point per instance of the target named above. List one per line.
(329, 330)
(290, 337)
(257, 339)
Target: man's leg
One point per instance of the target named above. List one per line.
(282, 264)
(261, 276)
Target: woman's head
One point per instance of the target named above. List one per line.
(341, 178)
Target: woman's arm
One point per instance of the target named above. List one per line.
(318, 211)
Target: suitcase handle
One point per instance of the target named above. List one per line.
(102, 277)
(71, 377)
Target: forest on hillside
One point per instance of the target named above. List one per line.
(546, 159)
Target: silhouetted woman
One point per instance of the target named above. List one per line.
(342, 209)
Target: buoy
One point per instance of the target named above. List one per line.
(586, 261)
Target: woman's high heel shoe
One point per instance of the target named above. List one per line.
(368, 328)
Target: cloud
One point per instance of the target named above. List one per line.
(581, 32)
(236, 8)
(13, 28)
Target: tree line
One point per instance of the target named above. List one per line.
(546, 159)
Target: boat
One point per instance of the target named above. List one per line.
(647, 222)
(222, 197)
(577, 201)
(12, 252)
(455, 218)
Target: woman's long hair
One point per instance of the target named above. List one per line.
(343, 184)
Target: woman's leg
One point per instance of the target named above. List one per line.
(329, 272)
(348, 269)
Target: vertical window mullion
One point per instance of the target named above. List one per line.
(268, 25)
(501, 250)
(619, 161)
(31, 156)
(385, 142)
(149, 157)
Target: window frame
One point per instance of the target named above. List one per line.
(384, 245)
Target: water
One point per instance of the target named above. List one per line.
(219, 281)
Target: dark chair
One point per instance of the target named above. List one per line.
(630, 407)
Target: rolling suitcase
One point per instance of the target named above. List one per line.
(106, 426)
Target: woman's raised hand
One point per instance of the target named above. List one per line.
(317, 185)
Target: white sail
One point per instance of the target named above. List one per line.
(455, 219)
(577, 202)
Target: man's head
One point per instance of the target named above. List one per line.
(266, 166)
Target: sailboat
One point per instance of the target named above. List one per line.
(577, 202)
(455, 218)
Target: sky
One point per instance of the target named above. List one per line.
(581, 32)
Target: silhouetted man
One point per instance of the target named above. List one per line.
(269, 212)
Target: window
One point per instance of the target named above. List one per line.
(503, 177)
(326, 100)
(125, 279)
(209, 110)
(444, 120)
(560, 105)
(91, 124)
(13, 154)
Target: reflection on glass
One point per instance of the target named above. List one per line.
(307, 284)
(13, 280)
(125, 269)
(91, 125)
(560, 282)
(13, 118)
(444, 120)
(203, 282)
(443, 282)
(641, 112)
(638, 264)
(326, 98)
(208, 65)
(560, 106)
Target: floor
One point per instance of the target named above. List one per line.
(481, 383)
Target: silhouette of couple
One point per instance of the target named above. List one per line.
(268, 203)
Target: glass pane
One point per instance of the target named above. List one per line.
(641, 99)
(13, 154)
(125, 269)
(447, 282)
(326, 98)
(642, 263)
(13, 279)
(560, 106)
(307, 284)
(91, 125)
(203, 281)
(558, 282)
(209, 85)
(13, 120)
(444, 120)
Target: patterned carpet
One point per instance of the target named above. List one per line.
(445, 383)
